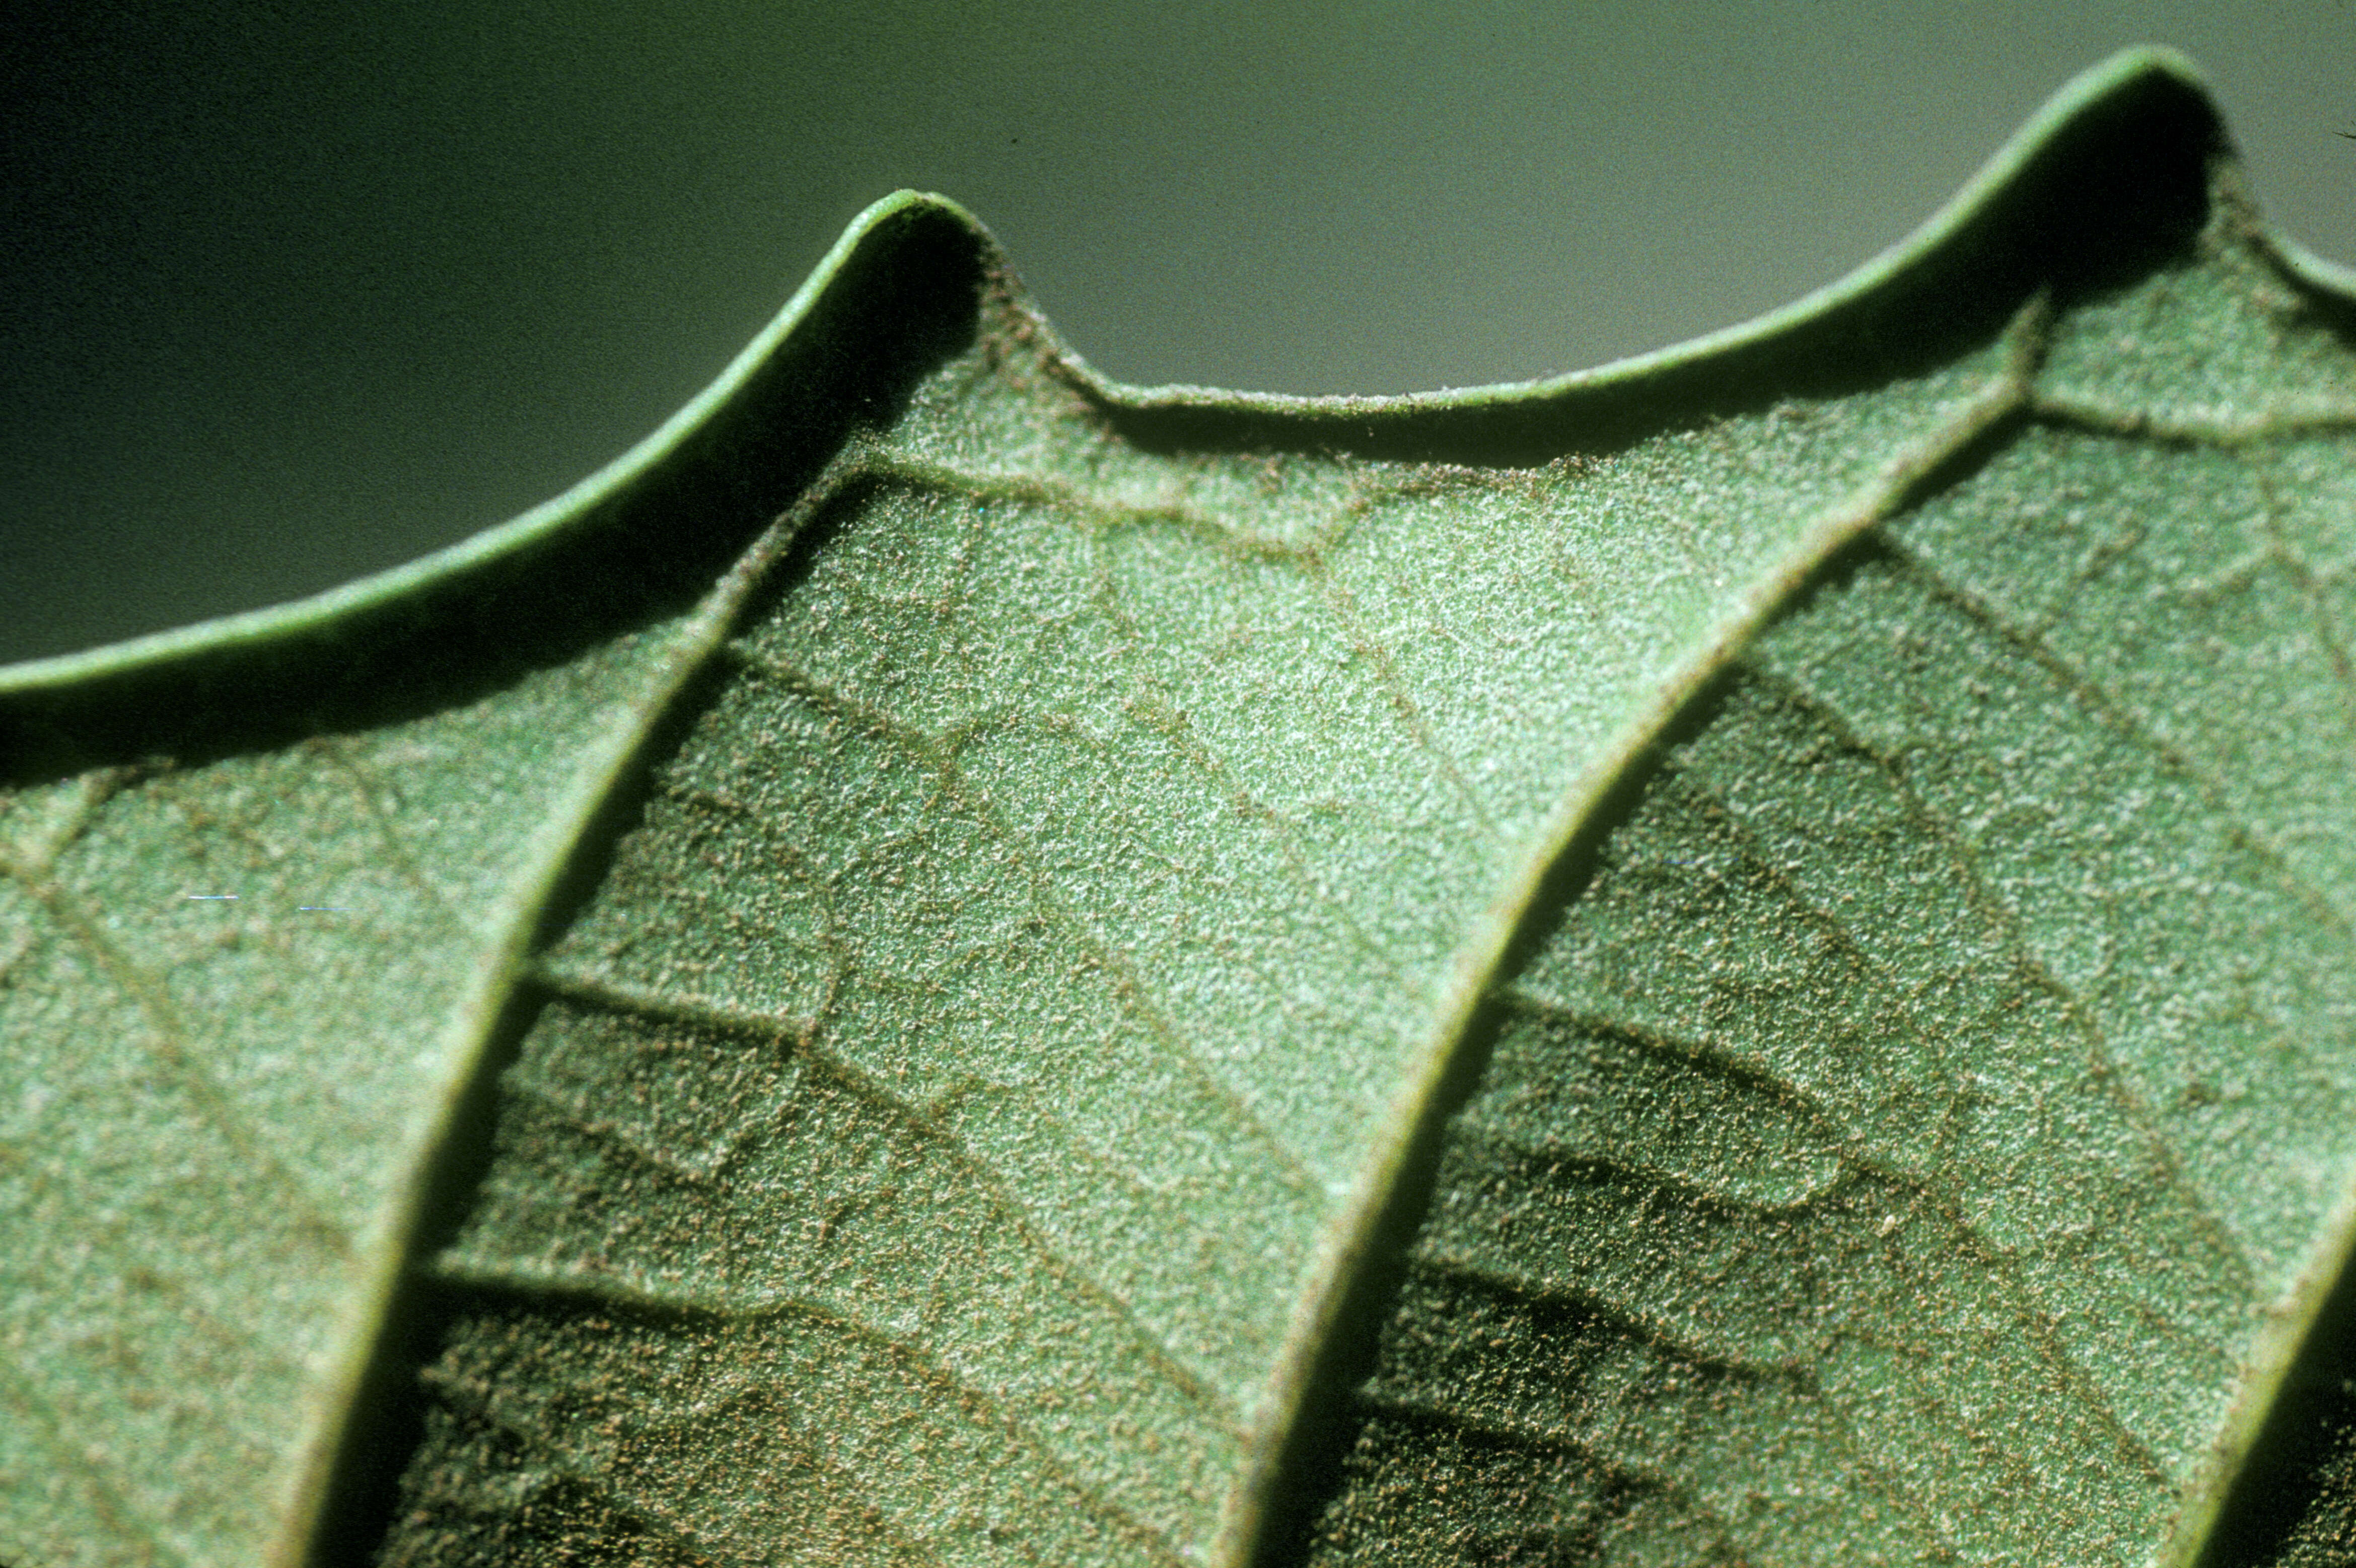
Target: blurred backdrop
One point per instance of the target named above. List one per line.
(295, 291)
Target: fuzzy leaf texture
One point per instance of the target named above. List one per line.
(1742, 959)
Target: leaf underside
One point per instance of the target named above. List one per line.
(1743, 960)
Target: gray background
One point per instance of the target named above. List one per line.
(293, 293)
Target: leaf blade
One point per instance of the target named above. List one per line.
(1126, 817)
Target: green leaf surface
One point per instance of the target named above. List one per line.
(1739, 959)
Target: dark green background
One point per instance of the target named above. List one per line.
(295, 293)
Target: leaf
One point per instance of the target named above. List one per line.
(1737, 959)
